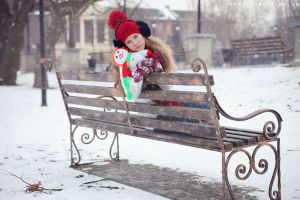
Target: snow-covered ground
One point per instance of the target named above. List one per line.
(34, 141)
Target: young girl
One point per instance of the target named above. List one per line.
(136, 36)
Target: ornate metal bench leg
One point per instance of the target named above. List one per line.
(242, 172)
(115, 156)
(278, 173)
(75, 155)
(224, 171)
(87, 138)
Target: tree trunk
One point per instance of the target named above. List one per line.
(12, 22)
(10, 60)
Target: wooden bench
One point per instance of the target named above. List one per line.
(179, 54)
(197, 125)
(259, 46)
(103, 59)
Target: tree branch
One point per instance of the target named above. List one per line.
(4, 8)
(32, 187)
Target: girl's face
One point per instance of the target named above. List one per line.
(135, 42)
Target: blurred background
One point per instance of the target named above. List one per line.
(77, 36)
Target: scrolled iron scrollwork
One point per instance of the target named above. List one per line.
(196, 65)
(102, 135)
(107, 109)
(87, 138)
(243, 172)
(270, 130)
(241, 169)
(114, 155)
(263, 163)
(109, 97)
(75, 155)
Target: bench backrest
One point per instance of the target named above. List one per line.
(258, 45)
(102, 57)
(92, 96)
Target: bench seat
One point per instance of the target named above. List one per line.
(234, 137)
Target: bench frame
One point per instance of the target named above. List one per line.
(271, 131)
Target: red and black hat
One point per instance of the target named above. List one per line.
(124, 27)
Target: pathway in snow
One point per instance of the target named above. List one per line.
(166, 182)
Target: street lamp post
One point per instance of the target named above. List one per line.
(153, 26)
(199, 17)
(124, 6)
(177, 35)
(42, 50)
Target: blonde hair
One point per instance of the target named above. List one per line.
(164, 51)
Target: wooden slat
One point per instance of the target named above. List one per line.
(257, 43)
(235, 142)
(181, 96)
(249, 133)
(254, 46)
(258, 50)
(88, 76)
(244, 130)
(247, 139)
(195, 113)
(178, 79)
(262, 52)
(166, 95)
(257, 47)
(180, 138)
(211, 144)
(137, 120)
(258, 40)
(98, 90)
(239, 138)
(158, 78)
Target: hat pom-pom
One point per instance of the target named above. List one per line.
(116, 17)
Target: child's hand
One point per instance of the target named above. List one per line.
(145, 67)
(141, 72)
(152, 63)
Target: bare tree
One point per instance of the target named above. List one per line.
(13, 18)
(59, 10)
(294, 9)
(287, 12)
(223, 19)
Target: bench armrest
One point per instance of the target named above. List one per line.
(269, 129)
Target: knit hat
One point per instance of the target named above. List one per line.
(124, 27)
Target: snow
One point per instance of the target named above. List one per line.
(35, 140)
(168, 14)
(153, 4)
